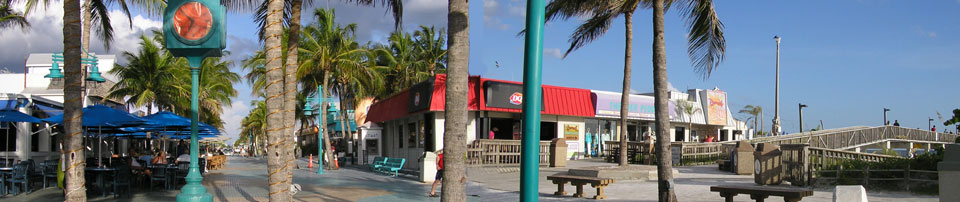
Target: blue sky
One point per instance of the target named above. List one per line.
(846, 59)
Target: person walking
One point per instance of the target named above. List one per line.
(896, 123)
(439, 177)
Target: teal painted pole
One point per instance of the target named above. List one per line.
(530, 138)
(320, 130)
(194, 190)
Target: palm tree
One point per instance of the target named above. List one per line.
(687, 108)
(401, 58)
(147, 77)
(430, 49)
(216, 90)
(10, 17)
(72, 105)
(276, 163)
(254, 124)
(327, 47)
(756, 111)
(455, 108)
(706, 49)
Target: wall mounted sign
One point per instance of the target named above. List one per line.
(571, 132)
(420, 96)
(641, 107)
(506, 95)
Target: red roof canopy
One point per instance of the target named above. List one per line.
(557, 100)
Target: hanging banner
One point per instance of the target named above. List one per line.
(716, 107)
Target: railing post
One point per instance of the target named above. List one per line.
(866, 176)
(906, 177)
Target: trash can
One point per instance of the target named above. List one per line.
(743, 158)
(766, 166)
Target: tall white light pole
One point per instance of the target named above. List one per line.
(775, 129)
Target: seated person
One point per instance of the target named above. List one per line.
(159, 159)
(185, 157)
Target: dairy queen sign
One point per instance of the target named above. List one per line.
(516, 98)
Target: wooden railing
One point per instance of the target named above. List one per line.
(906, 178)
(485, 152)
(846, 138)
(689, 153)
(820, 158)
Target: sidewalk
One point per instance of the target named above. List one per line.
(246, 180)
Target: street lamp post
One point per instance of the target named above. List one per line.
(929, 120)
(885, 110)
(801, 106)
(775, 129)
(308, 110)
(195, 41)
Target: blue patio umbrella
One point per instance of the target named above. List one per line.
(100, 116)
(15, 116)
(175, 126)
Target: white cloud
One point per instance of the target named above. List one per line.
(671, 88)
(46, 35)
(233, 115)
(553, 52)
(932, 34)
(375, 23)
(491, 15)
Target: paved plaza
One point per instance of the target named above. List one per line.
(245, 180)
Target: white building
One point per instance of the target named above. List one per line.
(29, 92)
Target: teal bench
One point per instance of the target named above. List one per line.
(392, 165)
(377, 163)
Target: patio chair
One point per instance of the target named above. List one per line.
(183, 168)
(49, 168)
(20, 178)
(123, 180)
(159, 173)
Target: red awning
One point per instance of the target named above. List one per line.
(557, 100)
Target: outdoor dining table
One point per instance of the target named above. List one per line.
(4, 173)
(100, 172)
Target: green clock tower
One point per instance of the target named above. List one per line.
(194, 29)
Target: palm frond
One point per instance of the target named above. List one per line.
(706, 44)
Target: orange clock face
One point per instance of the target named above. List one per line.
(192, 21)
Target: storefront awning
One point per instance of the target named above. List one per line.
(9, 104)
(557, 100)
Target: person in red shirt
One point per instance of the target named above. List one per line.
(439, 177)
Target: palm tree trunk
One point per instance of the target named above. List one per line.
(276, 160)
(661, 105)
(344, 124)
(455, 114)
(327, 151)
(290, 86)
(761, 121)
(625, 95)
(73, 103)
(87, 22)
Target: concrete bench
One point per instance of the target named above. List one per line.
(579, 181)
(759, 193)
(724, 165)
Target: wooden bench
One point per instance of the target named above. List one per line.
(579, 181)
(392, 165)
(758, 193)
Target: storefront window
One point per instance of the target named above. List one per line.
(9, 142)
(412, 135)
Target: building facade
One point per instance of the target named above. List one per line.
(33, 94)
(409, 124)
